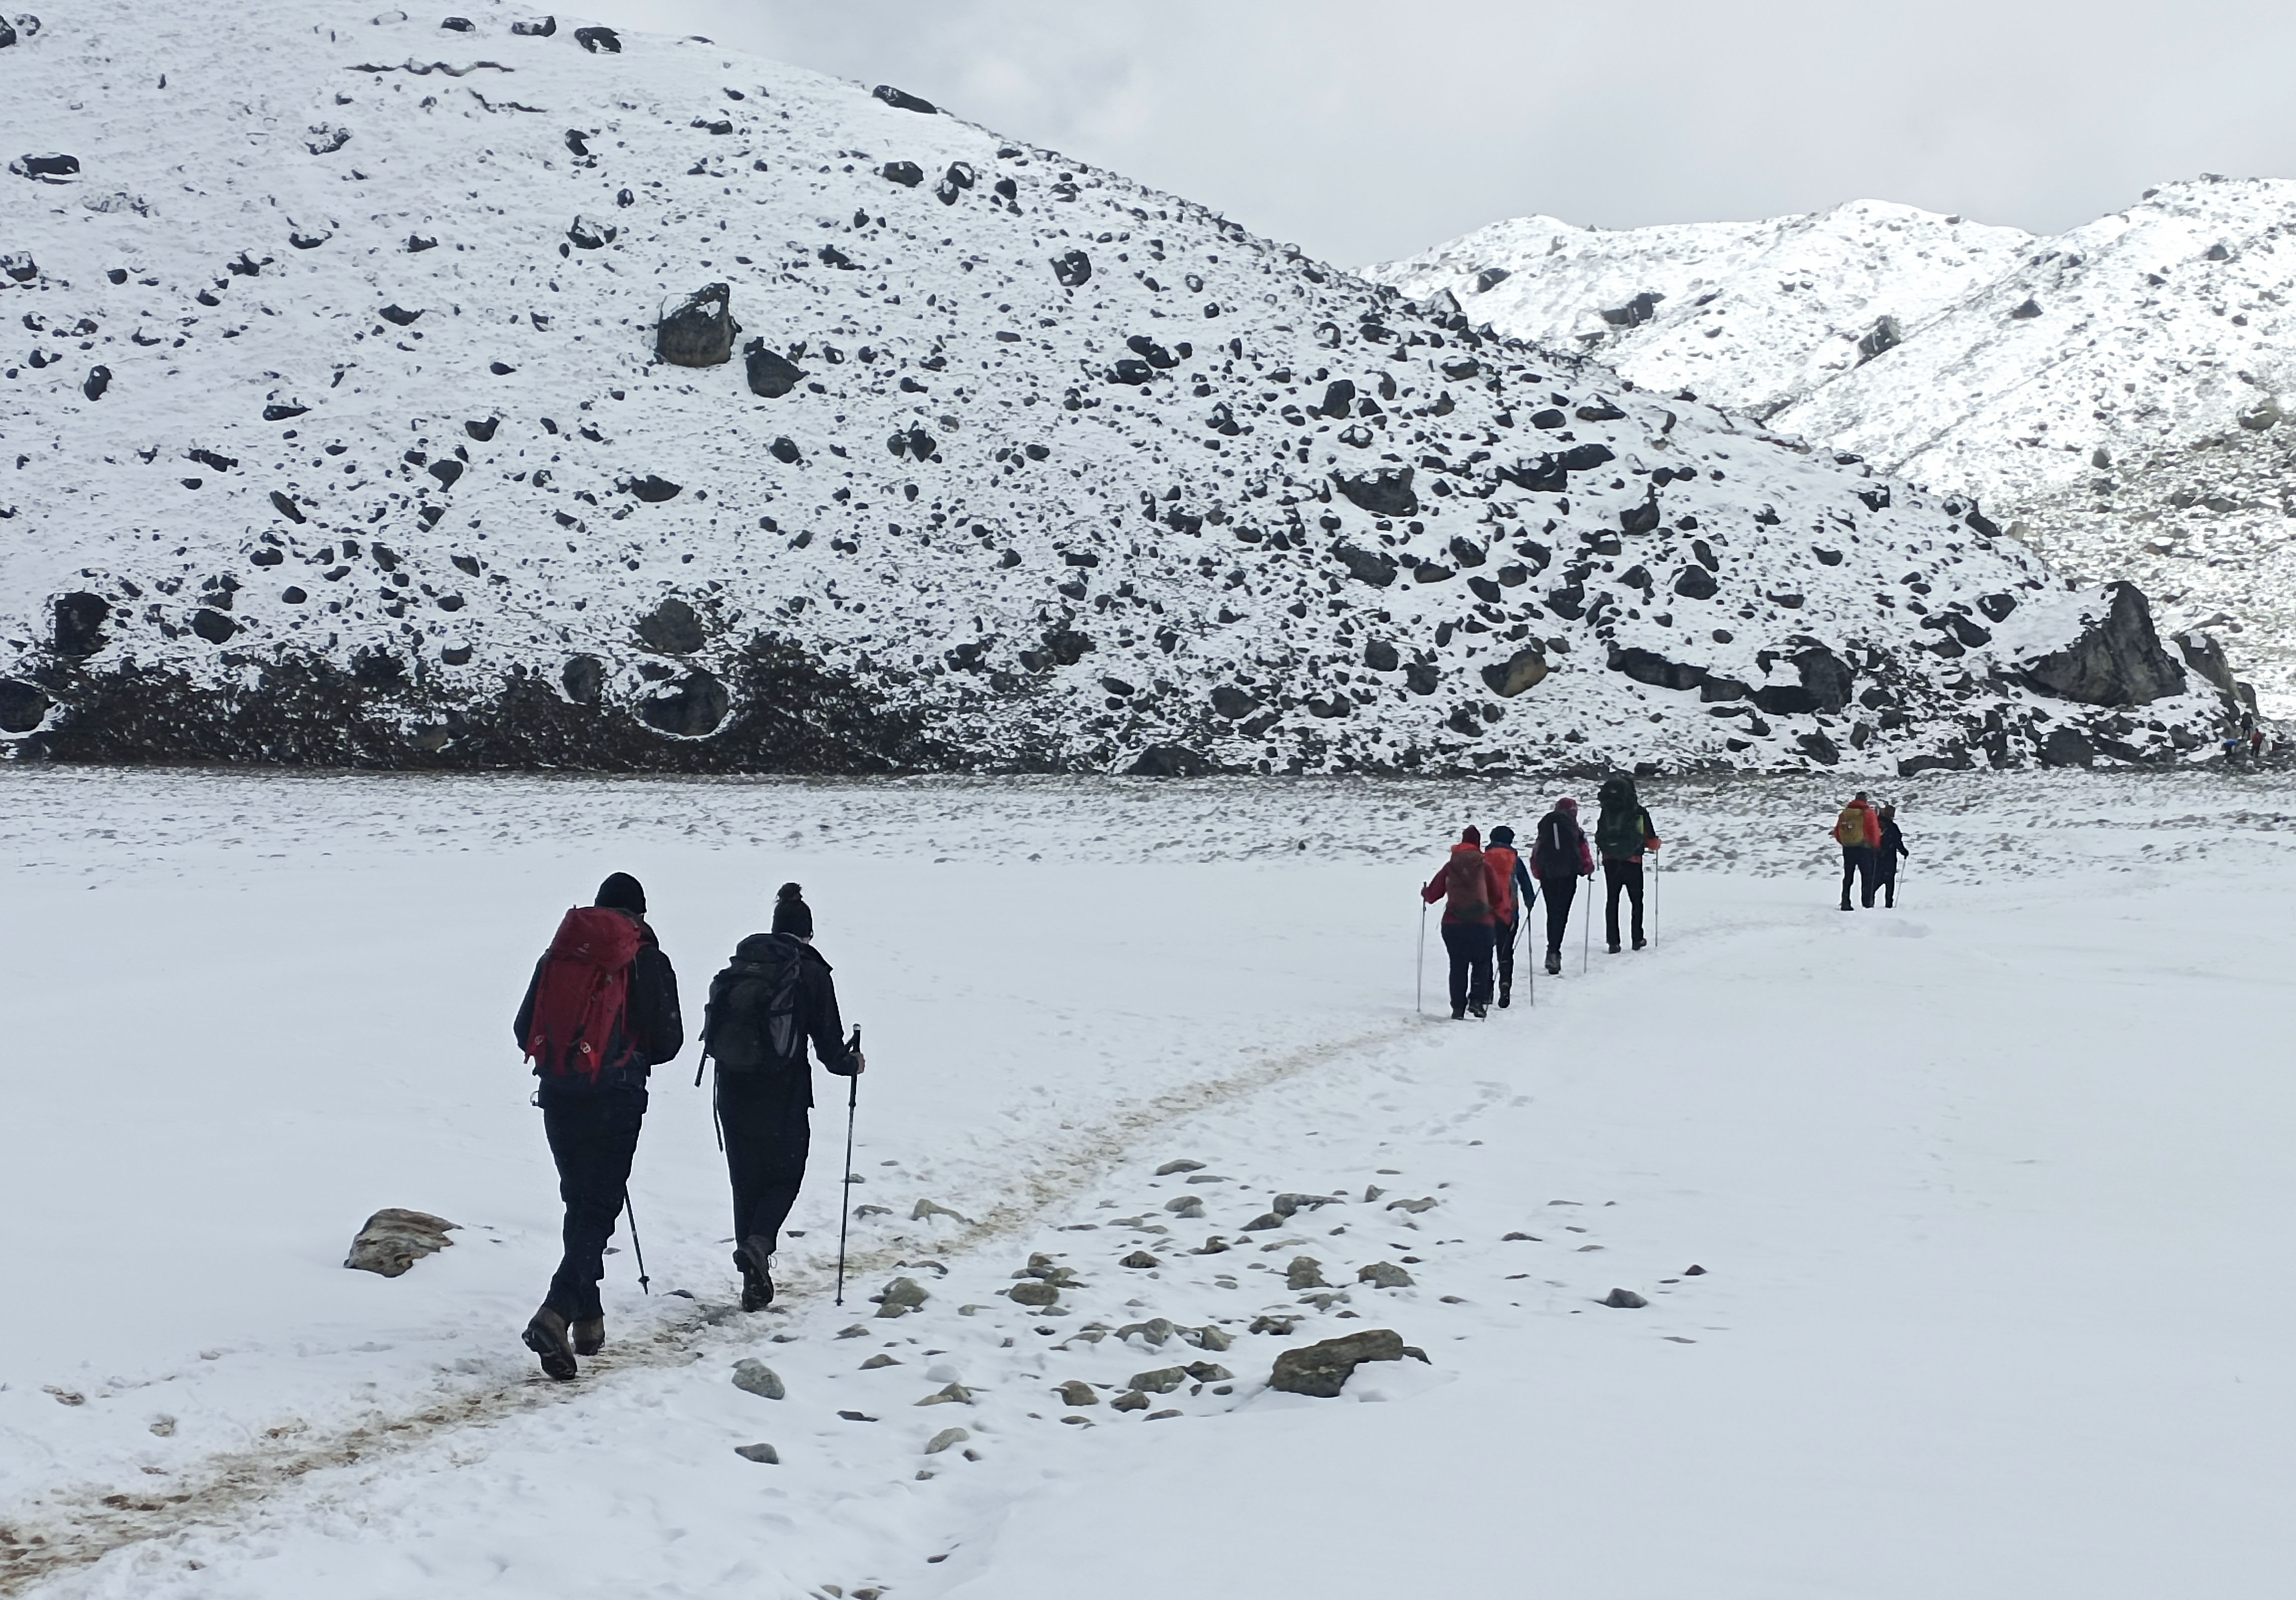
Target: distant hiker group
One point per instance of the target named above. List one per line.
(600, 1013)
(1871, 848)
(1487, 893)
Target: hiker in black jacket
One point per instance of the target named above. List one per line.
(1558, 860)
(1885, 858)
(775, 994)
(591, 1121)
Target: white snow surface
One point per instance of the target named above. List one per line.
(399, 231)
(2119, 389)
(1987, 1191)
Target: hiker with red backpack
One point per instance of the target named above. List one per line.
(600, 1013)
(1858, 832)
(1471, 887)
(773, 996)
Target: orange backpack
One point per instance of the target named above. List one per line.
(1850, 827)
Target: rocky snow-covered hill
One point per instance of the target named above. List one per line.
(2121, 389)
(339, 428)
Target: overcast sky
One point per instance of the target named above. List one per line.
(1366, 131)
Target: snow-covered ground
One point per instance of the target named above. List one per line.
(1988, 1191)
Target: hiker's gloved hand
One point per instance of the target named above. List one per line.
(860, 1064)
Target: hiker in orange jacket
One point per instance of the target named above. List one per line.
(1511, 908)
(1471, 889)
(1858, 832)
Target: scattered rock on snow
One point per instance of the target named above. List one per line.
(900, 1297)
(1624, 1299)
(2117, 660)
(699, 330)
(770, 375)
(1163, 1380)
(1384, 1275)
(951, 1394)
(1134, 1401)
(1305, 1272)
(765, 1455)
(945, 1437)
(394, 1239)
(755, 1377)
(1077, 1392)
(1034, 1293)
(1181, 1165)
(1322, 1369)
(1140, 1258)
(924, 1209)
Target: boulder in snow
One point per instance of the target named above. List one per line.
(699, 330)
(394, 1239)
(1322, 1369)
(2117, 660)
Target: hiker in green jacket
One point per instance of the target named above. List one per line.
(1623, 834)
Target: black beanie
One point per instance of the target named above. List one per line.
(1502, 834)
(622, 893)
(791, 915)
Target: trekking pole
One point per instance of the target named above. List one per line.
(1419, 993)
(1653, 897)
(1586, 927)
(845, 1179)
(645, 1284)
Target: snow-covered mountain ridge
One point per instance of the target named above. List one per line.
(2119, 389)
(338, 432)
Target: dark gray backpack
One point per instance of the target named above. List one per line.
(753, 1022)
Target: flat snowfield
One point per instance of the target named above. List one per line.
(1962, 1227)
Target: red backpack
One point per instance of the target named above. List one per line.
(582, 995)
(1469, 889)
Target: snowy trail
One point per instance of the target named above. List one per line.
(61, 1535)
(1987, 1190)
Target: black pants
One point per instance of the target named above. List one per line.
(1856, 867)
(1884, 877)
(593, 1136)
(766, 1117)
(1559, 893)
(1618, 874)
(1470, 944)
(1503, 952)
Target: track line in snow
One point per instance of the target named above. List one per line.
(80, 1528)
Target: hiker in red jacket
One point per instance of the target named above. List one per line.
(600, 1013)
(1858, 832)
(1471, 887)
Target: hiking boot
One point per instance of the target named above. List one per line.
(1458, 1013)
(756, 1262)
(1640, 942)
(545, 1337)
(1553, 965)
(1479, 1013)
(1506, 992)
(589, 1336)
(1614, 950)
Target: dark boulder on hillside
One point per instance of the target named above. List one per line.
(1169, 761)
(1073, 269)
(78, 629)
(599, 39)
(1648, 667)
(1384, 493)
(673, 628)
(1525, 669)
(2117, 660)
(770, 375)
(1373, 567)
(584, 680)
(688, 707)
(901, 100)
(699, 330)
(23, 707)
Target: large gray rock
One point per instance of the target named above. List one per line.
(690, 707)
(393, 1240)
(1322, 1368)
(23, 707)
(1525, 669)
(699, 330)
(2117, 660)
(2202, 653)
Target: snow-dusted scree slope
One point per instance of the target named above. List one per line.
(339, 430)
(2119, 389)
